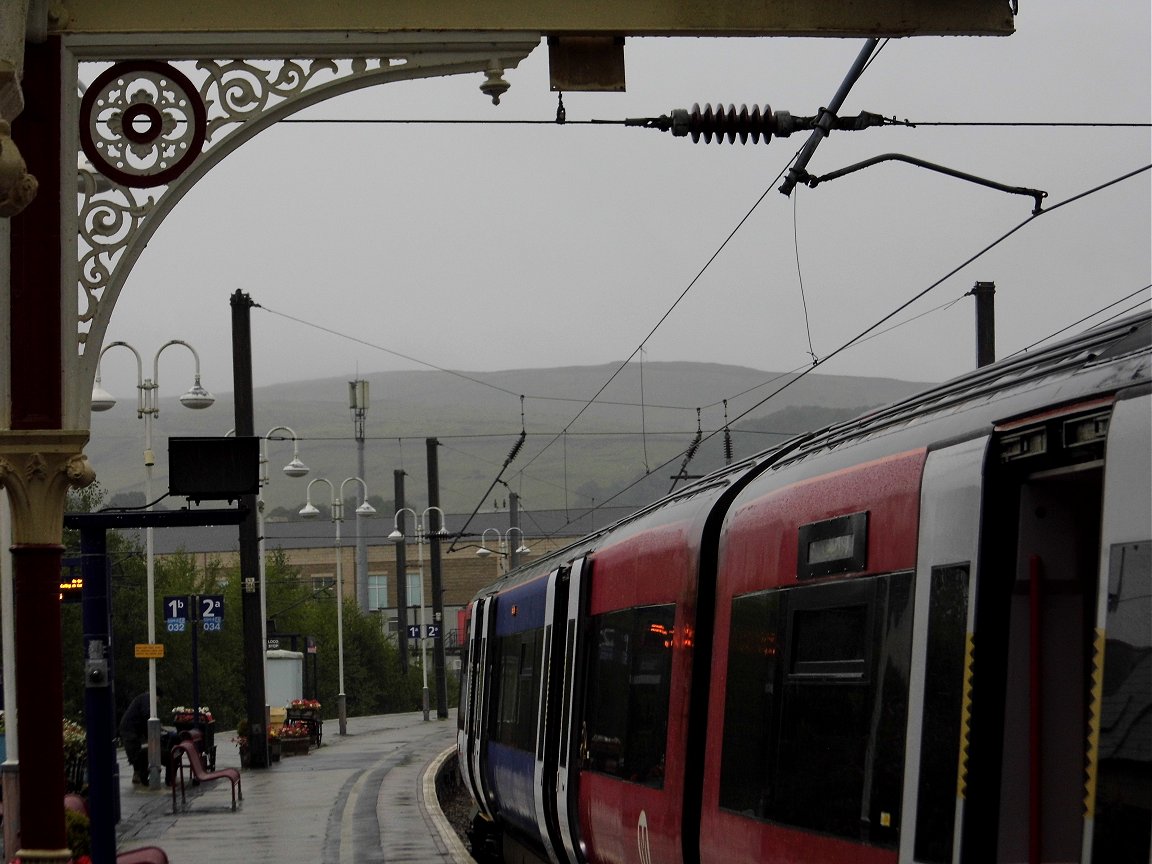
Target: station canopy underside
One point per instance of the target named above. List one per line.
(849, 18)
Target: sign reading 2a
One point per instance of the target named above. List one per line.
(211, 611)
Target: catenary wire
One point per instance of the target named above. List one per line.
(1028, 348)
(670, 309)
(865, 333)
(1058, 124)
(799, 273)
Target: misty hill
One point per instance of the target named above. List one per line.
(574, 455)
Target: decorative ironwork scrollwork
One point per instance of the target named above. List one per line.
(142, 123)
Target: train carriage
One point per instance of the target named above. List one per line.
(920, 637)
(913, 605)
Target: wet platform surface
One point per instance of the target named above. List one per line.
(364, 797)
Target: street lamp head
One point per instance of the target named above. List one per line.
(523, 550)
(308, 511)
(102, 400)
(296, 468)
(197, 397)
(484, 551)
(396, 536)
(365, 509)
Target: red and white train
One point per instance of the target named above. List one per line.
(924, 635)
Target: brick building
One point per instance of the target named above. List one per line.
(310, 547)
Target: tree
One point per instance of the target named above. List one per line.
(373, 682)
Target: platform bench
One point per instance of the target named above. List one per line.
(186, 751)
(143, 855)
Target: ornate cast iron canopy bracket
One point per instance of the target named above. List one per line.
(149, 130)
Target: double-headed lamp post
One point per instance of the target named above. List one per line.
(308, 511)
(148, 407)
(502, 539)
(397, 536)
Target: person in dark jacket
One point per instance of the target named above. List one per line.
(134, 737)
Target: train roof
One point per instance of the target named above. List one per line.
(1103, 359)
(1096, 362)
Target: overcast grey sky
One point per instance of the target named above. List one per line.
(485, 247)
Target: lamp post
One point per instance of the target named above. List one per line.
(295, 468)
(397, 536)
(505, 538)
(308, 511)
(148, 407)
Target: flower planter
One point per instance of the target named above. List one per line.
(294, 746)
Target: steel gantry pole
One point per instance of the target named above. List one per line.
(358, 404)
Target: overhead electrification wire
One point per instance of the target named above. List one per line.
(799, 274)
(1028, 348)
(1032, 218)
(459, 121)
(373, 345)
(797, 163)
(875, 54)
(512, 454)
(669, 311)
(861, 336)
(643, 417)
(892, 121)
(1068, 124)
(463, 376)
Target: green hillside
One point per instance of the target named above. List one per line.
(575, 454)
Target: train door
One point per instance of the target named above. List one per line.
(549, 723)
(477, 705)
(463, 712)
(1030, 736)
(567, 762)
(1118, 804)
(1032, 661)
(948, 546)
(1015, 696)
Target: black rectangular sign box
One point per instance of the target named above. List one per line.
(213, 469)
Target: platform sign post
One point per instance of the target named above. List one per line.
(207, 610)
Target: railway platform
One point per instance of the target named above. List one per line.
(365, 797)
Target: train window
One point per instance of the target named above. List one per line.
(749, 709)
(519, 686)
(816, 706)
(626, 705)
(943, 685)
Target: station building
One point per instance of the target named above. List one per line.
(310, 547)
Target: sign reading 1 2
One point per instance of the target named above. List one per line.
(208, 608)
